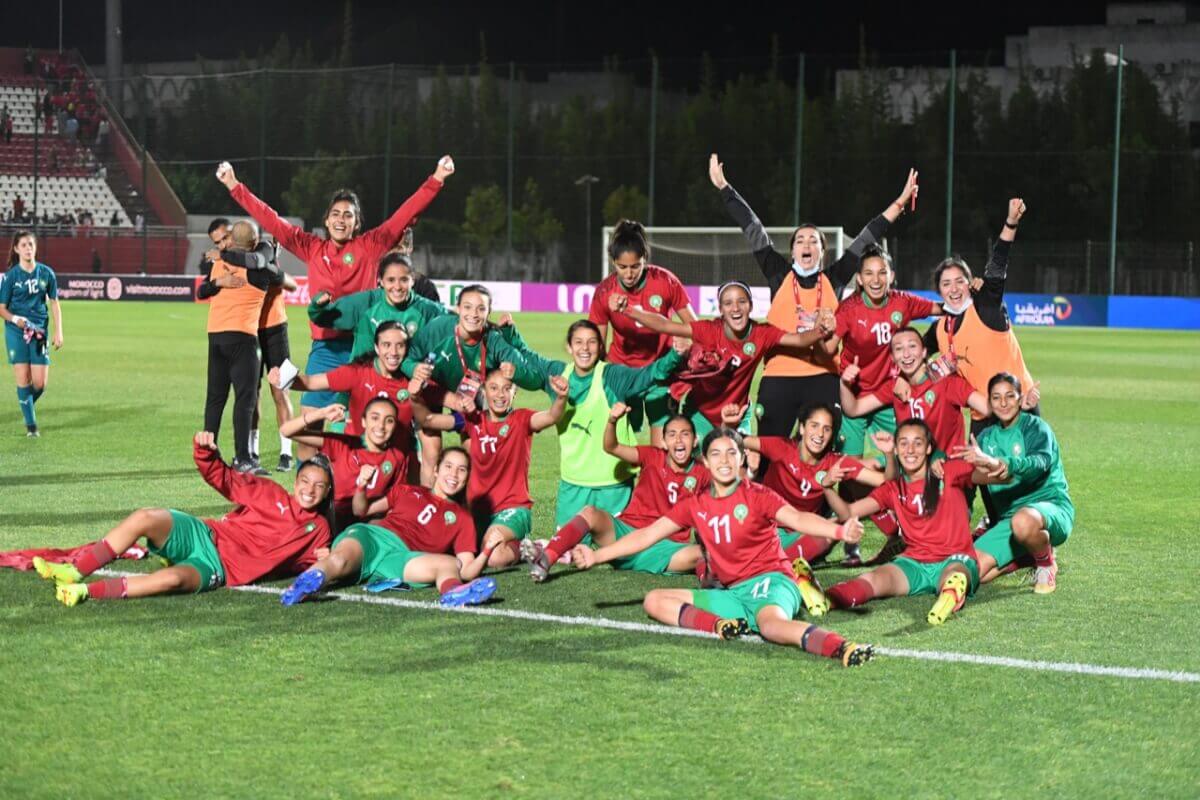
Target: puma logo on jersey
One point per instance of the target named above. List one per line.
(862, 322)
(586, 431)
(282, 508)
(370, 387)
(793, 467)
(444, 355)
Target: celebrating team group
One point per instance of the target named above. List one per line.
(858, 415)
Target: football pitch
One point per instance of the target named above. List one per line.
(566, 688)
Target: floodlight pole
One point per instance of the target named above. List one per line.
(951, 92)
(799, 139)
(1116, 172)
(387, 142)
(586, 182)
(512, 115)
(653, 128)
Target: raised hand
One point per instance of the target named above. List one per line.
(732, 413)
(507, 369)
(617, 302)
(445, 168)
(884, 442)
(850, 371)
(902, 390)
(938, 467)
(617, 411)
(851, 530)
(212, 255)
(826, 321)
(225, 175)
(681, 345)
(1016, 210)
(583, 557)
(365, 475)
(976, 284)
(559, 385)
(716, 172)
(422, 372)
(205, 439)
(910, 190)
(835, 475)
(334, 412)
(504, 320)
(1031, 397)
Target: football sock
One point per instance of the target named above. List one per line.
(449, 584)
(254, 443)
(1020, 562)
(567, 537)
(1046, 559)
(37, 393)
(701, 569)
(821, 642)
(108, 589)
(94, 557)
(25, 399)
(697, 618)
(285, 446)
(886, 522)
(849, 594)
(812, 547)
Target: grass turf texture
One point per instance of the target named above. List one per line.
(228, 694)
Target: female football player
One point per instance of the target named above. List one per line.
(28, 300)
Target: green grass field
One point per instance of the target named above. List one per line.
(228, 694)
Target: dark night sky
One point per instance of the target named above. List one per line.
(547, 32)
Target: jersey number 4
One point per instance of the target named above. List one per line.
(719, 523)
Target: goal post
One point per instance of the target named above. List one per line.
(710, 256)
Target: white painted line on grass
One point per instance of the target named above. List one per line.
(1135, 673)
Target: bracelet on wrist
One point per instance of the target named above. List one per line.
(1010, 225)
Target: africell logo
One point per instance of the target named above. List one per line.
(1062, 308)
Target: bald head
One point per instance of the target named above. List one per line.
(244, 235)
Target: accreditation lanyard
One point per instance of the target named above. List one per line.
(946, 364)
(472, 380)
(807, 320)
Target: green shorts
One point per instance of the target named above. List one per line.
(572, 498)
(326, 355)
(703, 426)
(855, 430)
(925, 578)
(35, 351)
(1000, 544)
(517, 520)
(654, 407)
(747, 598)
(190, 544)
(787, 538)
(655, 559)
(385, 555)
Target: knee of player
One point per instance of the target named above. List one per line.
(1026, 523)
(652, 602)
(590, 514)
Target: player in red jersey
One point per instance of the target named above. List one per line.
(736, 521)
(269, 533)
(364, 467)
(648, 287)
(669, 475)
(411, 545)
(939, 403)
(940, 557)
(727, 350)
(500, 441)
(341, 264)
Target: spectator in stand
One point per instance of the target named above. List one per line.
(97, 264)
(102, 136)
(27, 66)
(115, 220)
(8, 126)
(139, 222)
(18, 208)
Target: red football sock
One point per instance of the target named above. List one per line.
(448, 584)
(697, 618)
(814, 547)
(821, 642)
(701, 569)
(108, 589)
(94, 557)
(849, 594)
(567, 537)
(1046, 559)
(886, 522)
(1022, 561)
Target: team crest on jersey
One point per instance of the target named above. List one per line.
(758, 410)
(689, 482)
(504, 430)
(655, 301)
(821, 476)
(740, 512)
(348, 259)
(1016, 449)
(402, 395)
(387, 467)
(748, 348)
(411, 327)
(42, 285)
(450, 517)
(897, 317)
(310, 527)
(930, 397)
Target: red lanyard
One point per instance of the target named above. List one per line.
(482, 354)
(796, 292)
(950, 335)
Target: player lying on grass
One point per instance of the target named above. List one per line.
(804, 471)
(270, 533)
(364, 467)
(668, 475)
(411, 544)
(725, 352)
(28, 301)
(1034, 508)
(500, 441)
(736, 522)
(939, 557)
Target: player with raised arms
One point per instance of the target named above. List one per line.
(727, 350)
(667, 475)
(645, 286)
(269, 533)
(28, 300)
(801, 287)
(364, 467)
(340, 264)
(939, 557)
(1034, 508)
(411, 544)
(500, 441)
(736, 522)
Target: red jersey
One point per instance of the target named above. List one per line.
(709, 395)
(660, 487)
(364, 383)
(267, 534)
(738, 532)
(348, 456)
(796, 481)
(499, 460)
(427, 523)
(947, 532)
(338, 269)
(633, 344)
(866, 333)
(939, 403)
